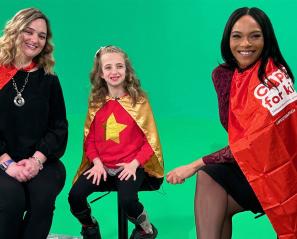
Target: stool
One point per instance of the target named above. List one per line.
(122, 222)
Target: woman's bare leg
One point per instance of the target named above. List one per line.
(232, 208)
(211, 202)
(214, 209)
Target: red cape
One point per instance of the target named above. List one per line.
(262, 131)
(8, 72)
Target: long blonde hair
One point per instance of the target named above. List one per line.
(99, 86)
(10, 41)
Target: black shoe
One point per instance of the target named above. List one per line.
(91, 232)
(139, 233)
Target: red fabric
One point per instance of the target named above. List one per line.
(263, 138)
(133, 143)
(7, 72)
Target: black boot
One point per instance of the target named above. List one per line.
(91, 232)
(90, 228)
(143, 228)
(139, 233)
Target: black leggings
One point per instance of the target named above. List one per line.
(127, 191)
(36, 198)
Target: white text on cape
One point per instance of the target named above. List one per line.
(276, 99)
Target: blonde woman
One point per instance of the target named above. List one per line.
(33, 128)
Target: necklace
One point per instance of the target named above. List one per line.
(19, 100)
(115, 97)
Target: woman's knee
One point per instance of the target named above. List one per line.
(207, 187)
(203, 179)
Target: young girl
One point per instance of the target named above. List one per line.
(121, 148)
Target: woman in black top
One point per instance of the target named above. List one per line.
(33, 128)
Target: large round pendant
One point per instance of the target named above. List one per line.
(19, 100)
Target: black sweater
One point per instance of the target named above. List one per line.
(40, 124)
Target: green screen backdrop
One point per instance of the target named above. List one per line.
(174, 46)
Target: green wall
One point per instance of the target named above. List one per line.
(174, 45)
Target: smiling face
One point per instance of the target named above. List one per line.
(113, 70)
(246, 41)
(33, 39)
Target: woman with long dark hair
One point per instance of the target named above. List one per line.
(257, 106)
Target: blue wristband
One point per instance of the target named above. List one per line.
(5, 164)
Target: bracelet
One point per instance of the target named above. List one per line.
(5, 164)
(38, 160)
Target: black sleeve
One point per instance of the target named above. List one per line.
(53, 143)
(2, 147)
(223, 155)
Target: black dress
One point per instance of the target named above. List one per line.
(221, 165)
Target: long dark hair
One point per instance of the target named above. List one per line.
(270, 49)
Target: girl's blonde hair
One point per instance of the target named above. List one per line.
(11, 40)
(99, 86)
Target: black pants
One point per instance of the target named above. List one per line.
(127, 191)
(26, 209)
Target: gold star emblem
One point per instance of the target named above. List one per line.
(113, 129)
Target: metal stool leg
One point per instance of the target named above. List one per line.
(122, 222)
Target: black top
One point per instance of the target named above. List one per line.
(40, 124)
(222, 77)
